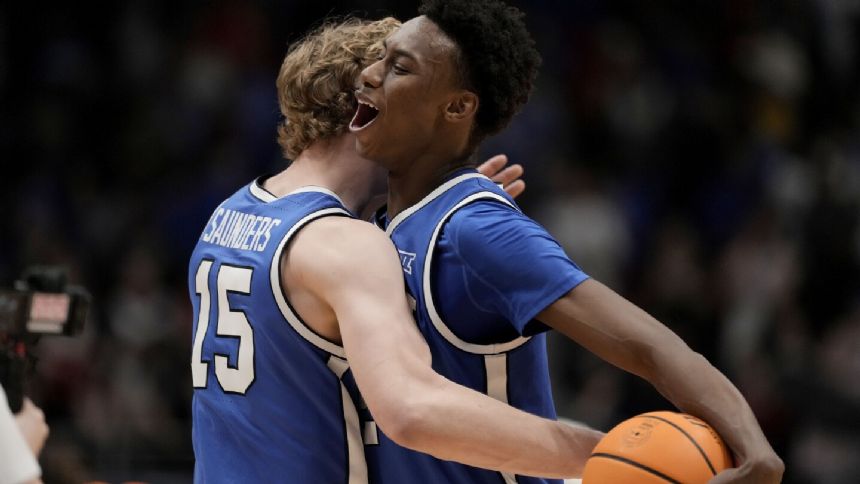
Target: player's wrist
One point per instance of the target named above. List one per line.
(756, 450)
(580, 442)
(760, 467)
(769, 467)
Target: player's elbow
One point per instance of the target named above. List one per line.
(407, 422)
(656, 357)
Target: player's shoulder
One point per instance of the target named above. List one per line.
(485, 223)
(489, 202)
(337, 239)
(334, 252)
(345, 231)
(485, 214)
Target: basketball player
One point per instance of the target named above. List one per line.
(486, 280)
(297, 305)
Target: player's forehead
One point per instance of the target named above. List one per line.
(422, 39)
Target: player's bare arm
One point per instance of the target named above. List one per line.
(351, 268)
(626, 336)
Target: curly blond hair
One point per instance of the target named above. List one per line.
(318, 76)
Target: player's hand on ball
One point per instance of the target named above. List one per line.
(767, 470)
(509, 177)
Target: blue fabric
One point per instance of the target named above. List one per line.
(491, 270)
(288, 425)
(507, 266)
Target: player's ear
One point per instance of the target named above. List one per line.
(463, 106)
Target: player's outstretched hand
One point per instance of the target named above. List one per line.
(761, 471)
(31, 423)
(509, 177)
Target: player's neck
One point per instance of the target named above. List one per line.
(408, 187)
(331, 164)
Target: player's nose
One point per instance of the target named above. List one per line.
(371, 76)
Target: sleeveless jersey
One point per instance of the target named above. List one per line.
(273, 401)
(513, 371)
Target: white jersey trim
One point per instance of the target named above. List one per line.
(318, 189)
(440, 325)
(267, 196)
(352, 426)
(429, 198)
(275, 279)
(261, 193)
(496, 367)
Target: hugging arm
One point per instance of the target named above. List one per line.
(360, 277)
(629, 338)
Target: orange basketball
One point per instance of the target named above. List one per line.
(658, 448)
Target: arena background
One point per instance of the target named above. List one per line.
(700, 157)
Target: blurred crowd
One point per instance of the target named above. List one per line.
(702, 158)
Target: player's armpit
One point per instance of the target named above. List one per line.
(610, 326)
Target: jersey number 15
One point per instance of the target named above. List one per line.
(229, 324)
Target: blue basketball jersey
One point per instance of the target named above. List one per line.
(273, 400)
(477, 320)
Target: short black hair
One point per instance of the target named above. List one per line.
(498, 58)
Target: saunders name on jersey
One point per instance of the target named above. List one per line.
(238, 230)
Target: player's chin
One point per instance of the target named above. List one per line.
(371, 148)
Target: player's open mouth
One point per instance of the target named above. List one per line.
(365, 115)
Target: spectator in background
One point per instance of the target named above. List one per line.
(21, 439)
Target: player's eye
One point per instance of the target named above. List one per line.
(399, 70)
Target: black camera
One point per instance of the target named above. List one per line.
(40, 303)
